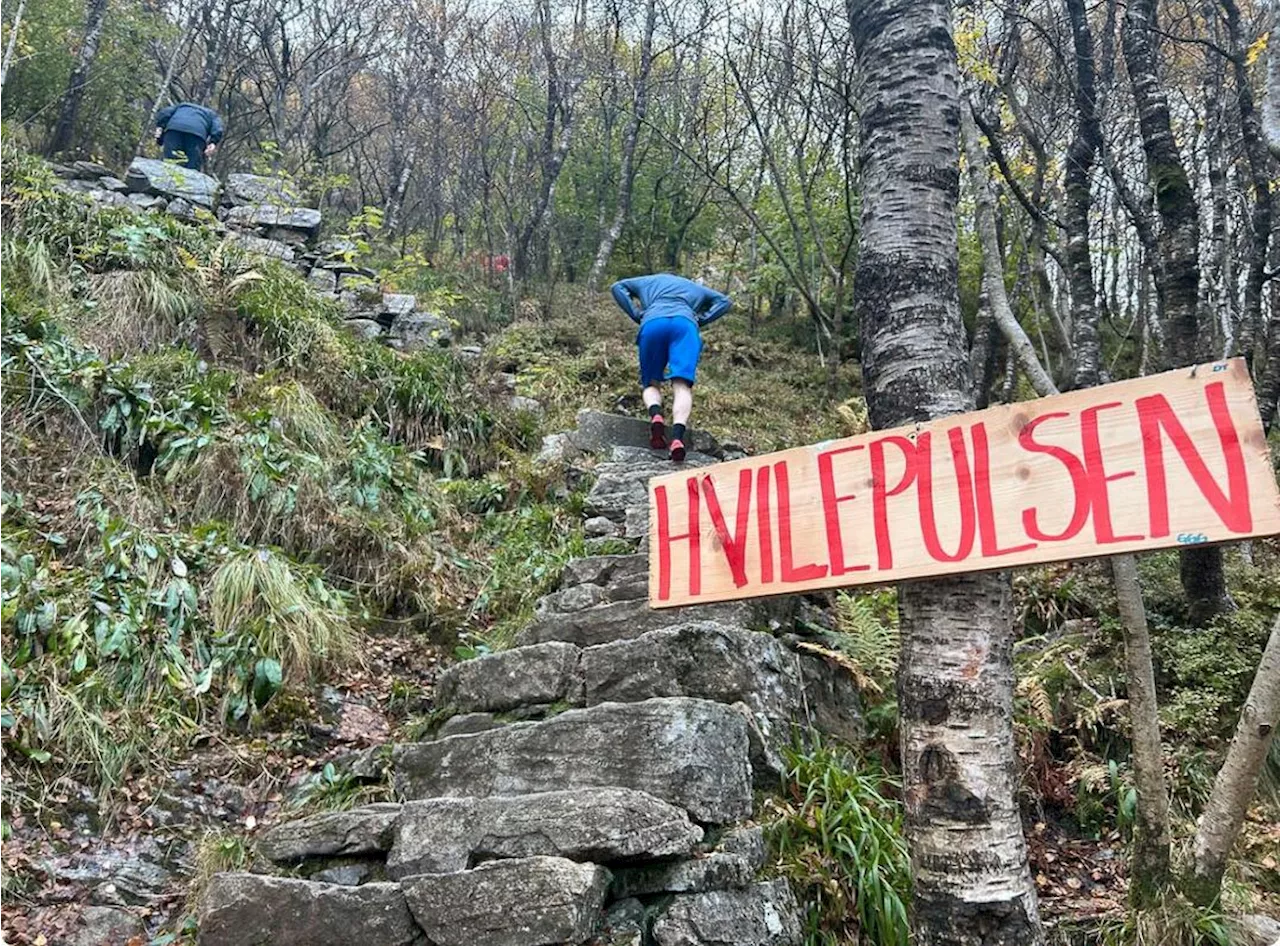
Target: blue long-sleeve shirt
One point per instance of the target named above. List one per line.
(191, 118)
(663, 294)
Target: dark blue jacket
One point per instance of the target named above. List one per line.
(191, 118)
(663, 294)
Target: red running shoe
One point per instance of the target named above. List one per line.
(657, 433)
(677, 451)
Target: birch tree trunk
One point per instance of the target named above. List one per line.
(955, 684)
(1177, 269)
(1271, 89)
(627, 175)
(1151, 837)
(1237, 781)
(1085, 144)
(14, 28)
(992, 260)
(64, 128)
(1150, 862)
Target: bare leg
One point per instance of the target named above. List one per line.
(683, 402)
(652, 395)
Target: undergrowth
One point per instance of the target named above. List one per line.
(837, 835)
(210, 489)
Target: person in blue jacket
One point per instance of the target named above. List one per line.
(188, 132)
(671, 312)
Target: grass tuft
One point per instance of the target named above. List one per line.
(294, 618)
(837, 835)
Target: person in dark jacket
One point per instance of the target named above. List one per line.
(188, 132)
(673, 311)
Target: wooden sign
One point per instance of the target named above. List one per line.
(1161, 461)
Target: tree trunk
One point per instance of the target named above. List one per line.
(64, 128)
(1150, 865)
(1237, 781)
(627, 176)
(1086, 348)
(14, 28)
(1271, 90)
(1020, 345)
(955, 685)
(1177, 268)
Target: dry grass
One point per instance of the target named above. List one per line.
(294, 618)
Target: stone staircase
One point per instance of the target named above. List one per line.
(594, 784)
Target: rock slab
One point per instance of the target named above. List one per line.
(166, 179)
(528, 902)
(256, 910)
(603, 825)
(543, 673)
(692, 753)
(760, 915)
(365, 830)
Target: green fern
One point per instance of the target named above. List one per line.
(867, 633)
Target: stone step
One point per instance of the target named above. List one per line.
(598, 432)
(692, 753)
(608, 621)
(701, 659)
(526, 676)
(366, 830)
(240, 909)
(622, 483)
(601, 825)
(764, 914)
(528, 902)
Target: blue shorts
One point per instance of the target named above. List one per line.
(671, 342)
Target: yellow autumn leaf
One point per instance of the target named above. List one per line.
(1256, 49)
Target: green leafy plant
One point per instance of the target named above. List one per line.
(837, 835)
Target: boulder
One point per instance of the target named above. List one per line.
(110, 183)
(598, 432)
(419, 330)
(181, 208)
(763, 914)
(366, 329)
(108, 198)
(747, 842)
(90, 169)
(397, 304)
(623, 482)
(366, 830)
(256, 189)
(713, 661)
(99, 925)
(528, 902)
(712, 872)
(148, 202)
(1257, 930)
(543, 673)
(692, 753)
(600, 527)
(625, 576)
(263, 247)
(303, 219)
(468, 723)
(245, 909)
(518, 403)
(168, 180)
(603, 825)
(323, 280)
